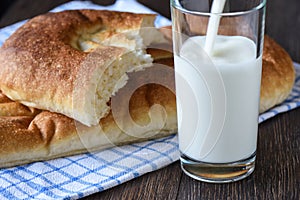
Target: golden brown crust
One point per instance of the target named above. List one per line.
(41, 61)
(44, 135)
(278, 75)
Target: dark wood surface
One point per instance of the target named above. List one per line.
(277, 173)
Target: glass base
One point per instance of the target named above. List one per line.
(218, 172)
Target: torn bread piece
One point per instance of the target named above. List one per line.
(72, 62)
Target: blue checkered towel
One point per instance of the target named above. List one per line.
(78, 176)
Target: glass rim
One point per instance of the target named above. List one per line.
(258, 7)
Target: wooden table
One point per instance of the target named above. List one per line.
(277, 173)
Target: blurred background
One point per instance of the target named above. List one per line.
(282, 18)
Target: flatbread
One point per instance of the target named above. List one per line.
(145, 108)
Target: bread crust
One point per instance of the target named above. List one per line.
(42, 61)
(278, 75)
(44, 135)
(29, 134)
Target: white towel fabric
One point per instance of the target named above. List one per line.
(78, 176)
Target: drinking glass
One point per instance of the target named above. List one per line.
(218, 63)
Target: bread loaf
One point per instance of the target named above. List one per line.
(278, 75)
(72, 62)
(145, 108)
(28, 134)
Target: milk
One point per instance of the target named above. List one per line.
(218, 98)
(213, 25)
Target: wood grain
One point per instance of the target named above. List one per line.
(163, 184)
(277, 173)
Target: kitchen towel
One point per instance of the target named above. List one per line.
(81, 175)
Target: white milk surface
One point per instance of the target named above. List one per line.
(218, 99)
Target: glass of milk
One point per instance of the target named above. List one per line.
(218, 60)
